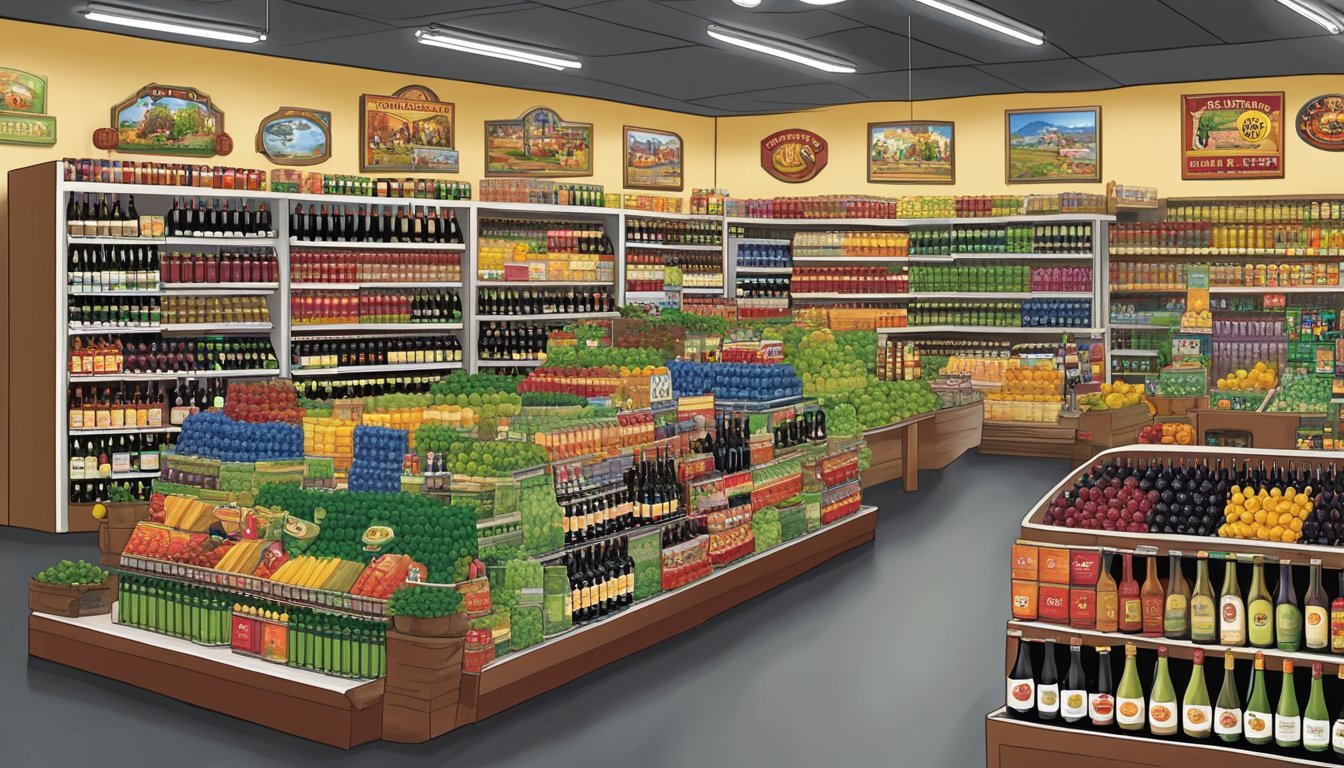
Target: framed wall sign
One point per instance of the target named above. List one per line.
(169, 120)
(23, 100)
(409, 131)
(911, 152)
(653, 160)
(1320, 122)
(1232, 136)
(794, 155)
(538, 144)
(295, 136)
(1053, 145)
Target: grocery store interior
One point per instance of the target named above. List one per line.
(869, 382)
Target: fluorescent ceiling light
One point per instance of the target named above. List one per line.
(783, 49)
(1326, 17)
(171, 23)
(482, 45)
(747, 3)
(978, 14)
(823, 2)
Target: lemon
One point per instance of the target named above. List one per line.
(99, 511)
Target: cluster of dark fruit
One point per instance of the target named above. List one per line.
(1153, 499)
(1325, 523)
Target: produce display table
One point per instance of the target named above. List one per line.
(1263, 430)
(345, 713)
(1036, 440)
(927, 441)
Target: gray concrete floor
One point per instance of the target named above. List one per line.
(889, 655)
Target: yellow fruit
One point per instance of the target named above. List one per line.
(1289, 536)
(1247, 517)
(1253, 504)
(1261, 517)
(1260, 367)
(1271, 519)
(1295, 524)
(1262, 534)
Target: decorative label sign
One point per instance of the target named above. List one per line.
(410, 131)
(22, 91)
(1320, 122)
(169, 120)
(793, 155)
(1232, 136)
(295, 136)
(539, 144)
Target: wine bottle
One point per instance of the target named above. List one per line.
(1021, 699)
(1073, 696)
(1257, 722)
(1287, 614)
(1108, 598)
(1131, 607)
(1176, 616)
(1152, 600)
(1337, 729)
(1336, 618)
(1203, 604)
(1316, 719)
(1129, 703)
(1231, 609)
(1101, 700)
(1227, 711)
(1316, 612)
(1196, 714)
(1287, 717)
(1259, 607)
(1162, 705)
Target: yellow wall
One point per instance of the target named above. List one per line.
(1140, 130)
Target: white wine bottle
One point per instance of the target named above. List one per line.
(1227, 711)
(1162, 705)
(1196, 714)
(1316, 720)
(1129, 703)
(1287, 717)
(1258, 720)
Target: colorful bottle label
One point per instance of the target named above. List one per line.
(1021, 694)
(1287, 730)
(1203, 618)
(1129, 712)
(1073, 705)
(1174, 620)
(1227, 722)
(1047, 699)
(1231, 624)
(1101, 708)
(1108, 610)
(1260, 622)
(1316, 627)
(1288, 624)
(1131, 612)
(1162, 716)
(1258, 725)
(1195, 718)
(1337, 736)
(1315, 734)
(1152, 616)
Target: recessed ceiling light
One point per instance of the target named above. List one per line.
(989, 19)
(483, 45)
(156, 21)
(783, 49)
(1326, 17)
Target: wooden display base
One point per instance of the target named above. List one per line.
(1013, 743)
(1043, 441)
(1260, 430)
(332, 710)
(949, 434)
(346, 713)
(895, 450)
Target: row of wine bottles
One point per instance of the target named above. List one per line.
(382, 351)
(375, 224)
(515, 301)
(510, 341)
(102, 458)
(117, 406)
(140, 354)
(1080, 699)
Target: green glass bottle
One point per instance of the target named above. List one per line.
(1287, 612)
(1196, 713)
(1259, 607)
(1287, 717)
(1129, 703)
(1227, 711)
(1316, 720)
(1162, 705)
(1258, 720)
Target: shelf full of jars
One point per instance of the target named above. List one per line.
(1200, 592)
(1263, 333)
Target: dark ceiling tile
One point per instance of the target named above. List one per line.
(1243, 21)
(690, 73)
(945, 83)
(412, 11)
(883, 50)
(565, 31)
(1095, 27)
(644, 14)
(944, 31)
(784, 99)
(1314, 55)
(789, 18)
(1061, 75)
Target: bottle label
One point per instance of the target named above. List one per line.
(1337, 736)
(1152, 616)
(1203, 618)
(1129, 711)
(1257, 724)
(1288, 624)
(1317, 627)
(1232, 624)
(1163, 716)
(1108, 606)
(1101, 708)
(1315, 733)
(1195, 718)
(1133, 612)
(1260, 622)
(1227, 722)
(1073, 705)
(1174, 620)
(1287, 730)
(1021, 694)
(1047, 698)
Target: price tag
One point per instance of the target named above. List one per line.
(660, 387)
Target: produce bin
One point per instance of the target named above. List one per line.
(58, 600)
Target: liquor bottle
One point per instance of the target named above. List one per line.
(1203, 604)
(1287, 717)
(1108, 599)
(1073, 696)
(1129, 703)
(1176, 616)
(1196, 714)
(1131, 607)
(1316, 612)
(1258, 721)
(1227, 714)
(1287, 615)
(1152, 600)
(1101, 700)
(1163, 719)
(1337, 728)
(1259, 607)
(1231, 609)
(1316, 719)
(1337, 618)
(1021, 699)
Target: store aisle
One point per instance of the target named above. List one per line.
(902, 637)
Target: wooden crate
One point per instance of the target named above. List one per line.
(1266, 430)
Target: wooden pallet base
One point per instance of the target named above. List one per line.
(1046, 441)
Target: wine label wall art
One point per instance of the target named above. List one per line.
(166, 120)
(23, 100)
(794, 155)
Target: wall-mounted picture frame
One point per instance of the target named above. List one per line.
(23, 100)
(411, 131)
(912, 152)
(653, 160)
(539, 144)
(1057, 145)
(1232, 136)
(167, 120)
(295, 136)
(1320, 122)
(794, 155)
